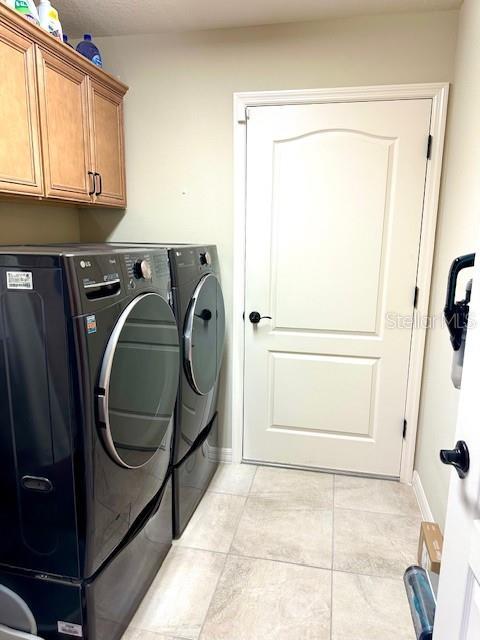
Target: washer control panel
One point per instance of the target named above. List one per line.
(98, 271)
(205, 258)
(139, 266)
(145, 269)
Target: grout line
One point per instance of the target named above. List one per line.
(238, 524)
(220, 575)
(295, 564)
(252, 480)
(381, 513)
(289, 562)
(226, 554)
(227, 493)
(368, 575)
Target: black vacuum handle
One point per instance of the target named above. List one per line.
(456, 313)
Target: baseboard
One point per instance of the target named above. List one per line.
(222, 454)
(421, 496)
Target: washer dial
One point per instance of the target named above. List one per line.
(142, 269)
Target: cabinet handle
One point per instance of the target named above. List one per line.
(92, 176)
(99, 190)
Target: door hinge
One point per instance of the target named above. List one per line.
(247, 117)
(415, 297)
(429, 147)
(404, 428)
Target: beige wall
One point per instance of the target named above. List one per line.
(179, 113)
(37, 222)
(457, 233)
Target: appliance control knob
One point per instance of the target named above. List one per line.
(142, 269)
(205, 258)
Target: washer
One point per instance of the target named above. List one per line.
(89, 374)
(200, 312)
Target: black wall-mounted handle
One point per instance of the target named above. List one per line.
(255, 317)
(459, 458)
(456, 313)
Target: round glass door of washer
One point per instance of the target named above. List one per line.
(204, 335)
(139, 382)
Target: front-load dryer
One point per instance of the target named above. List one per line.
(89, 370)
(200, 311)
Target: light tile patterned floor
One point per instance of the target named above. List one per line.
(279, 554)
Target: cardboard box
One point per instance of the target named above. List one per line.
(430, 547)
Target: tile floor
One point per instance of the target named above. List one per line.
(279, 554)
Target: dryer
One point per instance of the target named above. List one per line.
(200, 311)
(89, 372)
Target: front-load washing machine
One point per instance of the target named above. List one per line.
(200, 313)
(89, 371)
(199, 309)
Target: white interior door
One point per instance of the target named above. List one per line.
(334, 211)
(458, 608)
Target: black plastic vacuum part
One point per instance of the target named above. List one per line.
(456, 313)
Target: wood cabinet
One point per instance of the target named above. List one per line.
(107, 145)
(61, 120)
(63, 96)
(20, 166)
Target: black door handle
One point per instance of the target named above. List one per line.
(92, 176)
(205, 315)
(255, 317)
(458, 458)
(98, 192)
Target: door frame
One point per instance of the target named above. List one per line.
(438, 93)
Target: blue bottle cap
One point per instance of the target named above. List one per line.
(65, 37)
(87, 36)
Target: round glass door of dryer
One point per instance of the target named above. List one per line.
(204, 335)
(139, 382)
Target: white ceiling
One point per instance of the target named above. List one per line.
(121, 17)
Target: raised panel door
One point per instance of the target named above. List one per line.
(108, 145)
(20, 162)
(63, 91)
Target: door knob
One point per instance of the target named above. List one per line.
(458, 458)
(255, 317)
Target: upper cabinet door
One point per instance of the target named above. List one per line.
(63, 91)
(20, 165)
(108, 145)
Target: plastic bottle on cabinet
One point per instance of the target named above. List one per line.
(88, 49)
(65, 40)
(49, 19)
(27, 8)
